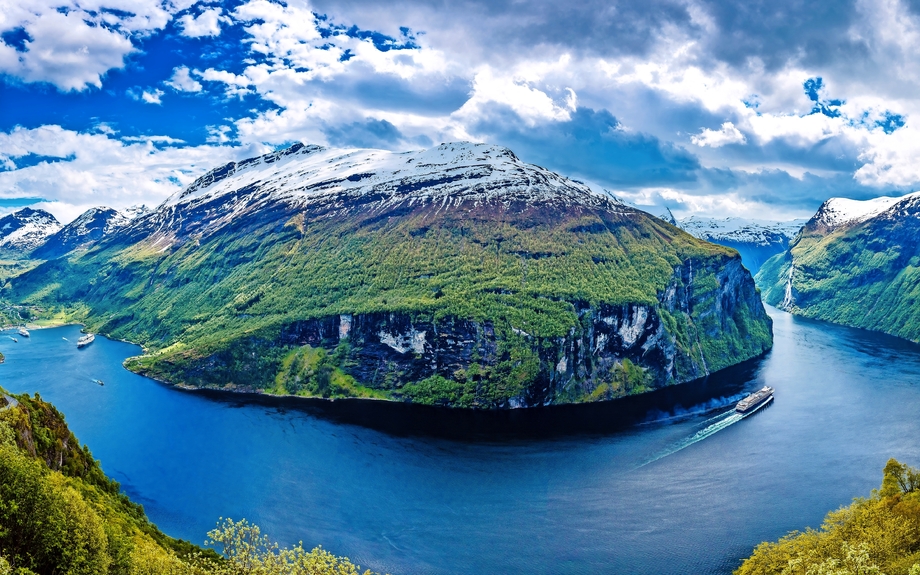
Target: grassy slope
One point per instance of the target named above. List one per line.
(226, 291)
(867, 276)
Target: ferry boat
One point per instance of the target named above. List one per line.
(86, 340)
(755, 401)
(23, 332)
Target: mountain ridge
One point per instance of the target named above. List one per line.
(756, 240)
(457, 275)
(854, 263)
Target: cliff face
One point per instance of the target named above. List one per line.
(698, 326)
(854, 263)
(458, 275)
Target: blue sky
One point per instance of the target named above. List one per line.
(756, 109)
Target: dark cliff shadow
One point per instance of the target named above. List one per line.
(719, 390)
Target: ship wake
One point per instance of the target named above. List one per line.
(713, 426)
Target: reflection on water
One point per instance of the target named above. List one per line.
(658, 483)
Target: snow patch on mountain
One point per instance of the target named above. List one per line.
(838, 212)
(25, 229)
(87, 229)
(450, 173)
(742, 230)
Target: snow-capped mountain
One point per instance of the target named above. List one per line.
(839, 212)
(755, 240)
(854, 263)
(91, 226)
(756, 232)
(336, 182)
(426, 263)
(25, 229)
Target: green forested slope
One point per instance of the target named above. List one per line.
(60, 515)
(213, 310)
(878, 535)
(867, 276)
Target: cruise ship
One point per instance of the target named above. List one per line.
(86, 340)
(23, 332)
(755, 401)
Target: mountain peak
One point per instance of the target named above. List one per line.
(837, 212)
(26, 228)
(451, 173)
(88, 228)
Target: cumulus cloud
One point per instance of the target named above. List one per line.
(71, 44)
(727, 134)
(97, 169)
(205, 24)
(148, 96)
(182, 80)
(64, 50)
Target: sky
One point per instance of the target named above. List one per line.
(759, 109)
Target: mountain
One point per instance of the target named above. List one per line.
(457, 275)
(756, 240)
(87, 229)
(855, 263)
(90, 227)
(26, 229)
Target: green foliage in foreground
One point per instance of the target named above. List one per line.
(60, 515)
(875, 536)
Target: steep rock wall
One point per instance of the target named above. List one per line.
(702, 322)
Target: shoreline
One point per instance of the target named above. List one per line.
(257, 394)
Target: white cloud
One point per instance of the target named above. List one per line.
(148, 95)
(65, 51)
(74, 44)
(100, 170)
(152, 97)
(206, 24)
(517, 92)
(182, 80)
(727, 134)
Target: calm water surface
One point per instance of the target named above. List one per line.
(661, 484)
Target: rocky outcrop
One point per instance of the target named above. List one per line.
(388, 350)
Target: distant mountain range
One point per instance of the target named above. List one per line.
(457, 275)
(855, 263)
(38, 234)
(756, 240)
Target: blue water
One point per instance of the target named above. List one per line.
(665, 483)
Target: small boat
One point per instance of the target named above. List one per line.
(86, 340)
(755, 401)
(23, 332)
(14, 340)
(99, 381)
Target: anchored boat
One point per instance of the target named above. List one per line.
(86, 340)
(755, 401)
(23, 332)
